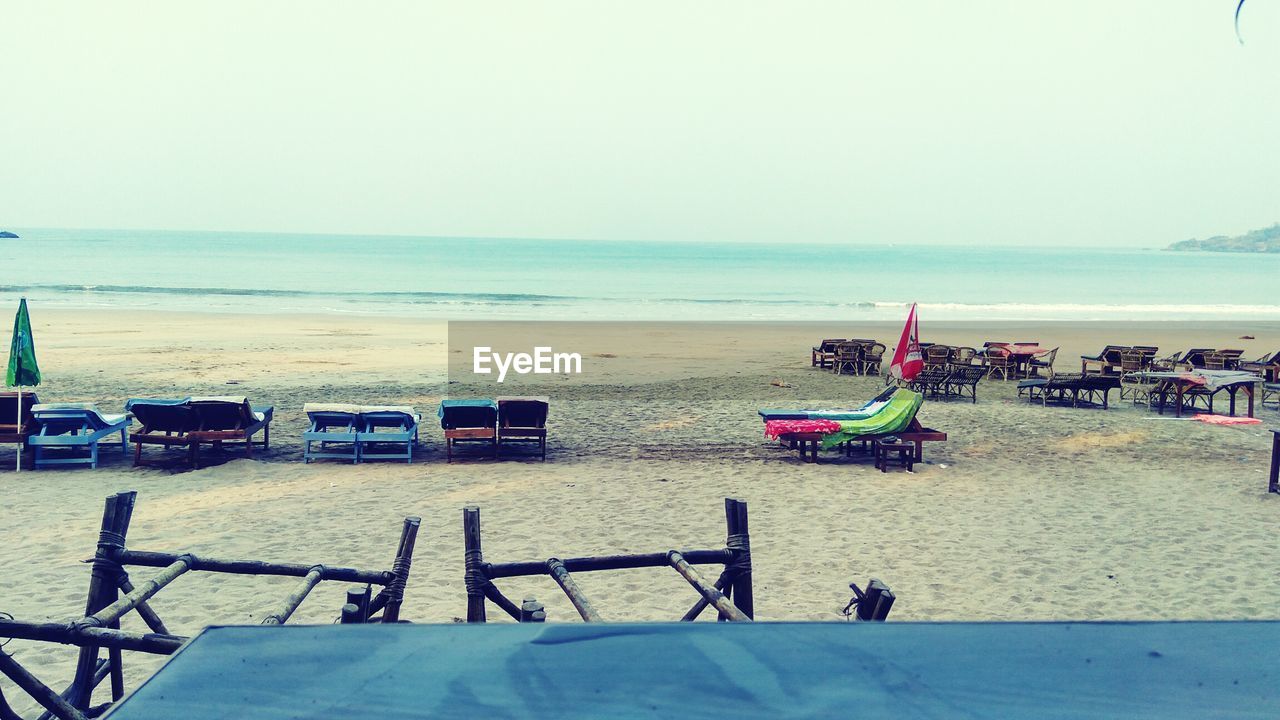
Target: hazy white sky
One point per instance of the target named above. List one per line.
(1019, 122)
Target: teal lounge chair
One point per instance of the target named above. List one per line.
(867, 409)
(74, 427)
(335, 429)
(388, 432)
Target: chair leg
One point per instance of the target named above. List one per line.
(137, 454)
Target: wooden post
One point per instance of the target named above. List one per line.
(400, 569)
(113, 612)
(43, 694)
(359, 596)
(720, 584)
(713, 596)
(148, 615)
(103, 582)
(532, 611)
(473, 563)
(739, 543)
(351, 614)
(295, 598)
(571, 589)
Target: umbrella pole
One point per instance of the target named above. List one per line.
(19, 417)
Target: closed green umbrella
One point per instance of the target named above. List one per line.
(23, 370)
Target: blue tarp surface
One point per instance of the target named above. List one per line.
(703, 670)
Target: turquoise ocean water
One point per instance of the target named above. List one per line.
(568, 279)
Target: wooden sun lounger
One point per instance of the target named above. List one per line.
(1078, 389)
(166, 423)
(1108, 360)
(225, 422)
(808, 443)
(469, 421)
(523, 420)
(16, 427)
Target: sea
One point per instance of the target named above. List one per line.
(538, 279)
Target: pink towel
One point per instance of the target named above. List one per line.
(775, 428)
(1227, 420)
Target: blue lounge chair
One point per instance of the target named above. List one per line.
(394, 429)
(867, 409)
(336, 429)
(74, 426)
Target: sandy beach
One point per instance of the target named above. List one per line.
(1025, 513)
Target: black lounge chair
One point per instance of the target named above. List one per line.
(15, 426)
(165, 423)
(1108, 360)
(964, 379)
(1268, 366)
(225, 420)
(1076, 389)
(469, 421)
(523, 419)
(931, 382)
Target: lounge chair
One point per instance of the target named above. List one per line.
(523, 419)
(1088, 389)
(897, 417)
(229, 419)
(962, 379)
(15, 426)
(469, 420)
(1108, 360)
(865, 410)
(1268, 366)
(824, 352)
(74, 427)
(931, 380)
(1270, 390)
(335, 428)
(388, 432)
(1193, 358)
(168, 423)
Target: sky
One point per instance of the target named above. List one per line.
(1024, 122)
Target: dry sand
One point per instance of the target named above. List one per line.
(1026, 513)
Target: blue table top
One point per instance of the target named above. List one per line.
(760, 670)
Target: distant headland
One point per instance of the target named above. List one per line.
(1266, 240)
(7, 234)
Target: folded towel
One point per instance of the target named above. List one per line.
(85, 407)
(331, 408)
(773, 429)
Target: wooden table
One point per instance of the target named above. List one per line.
(1022, 356)
(905, 450)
